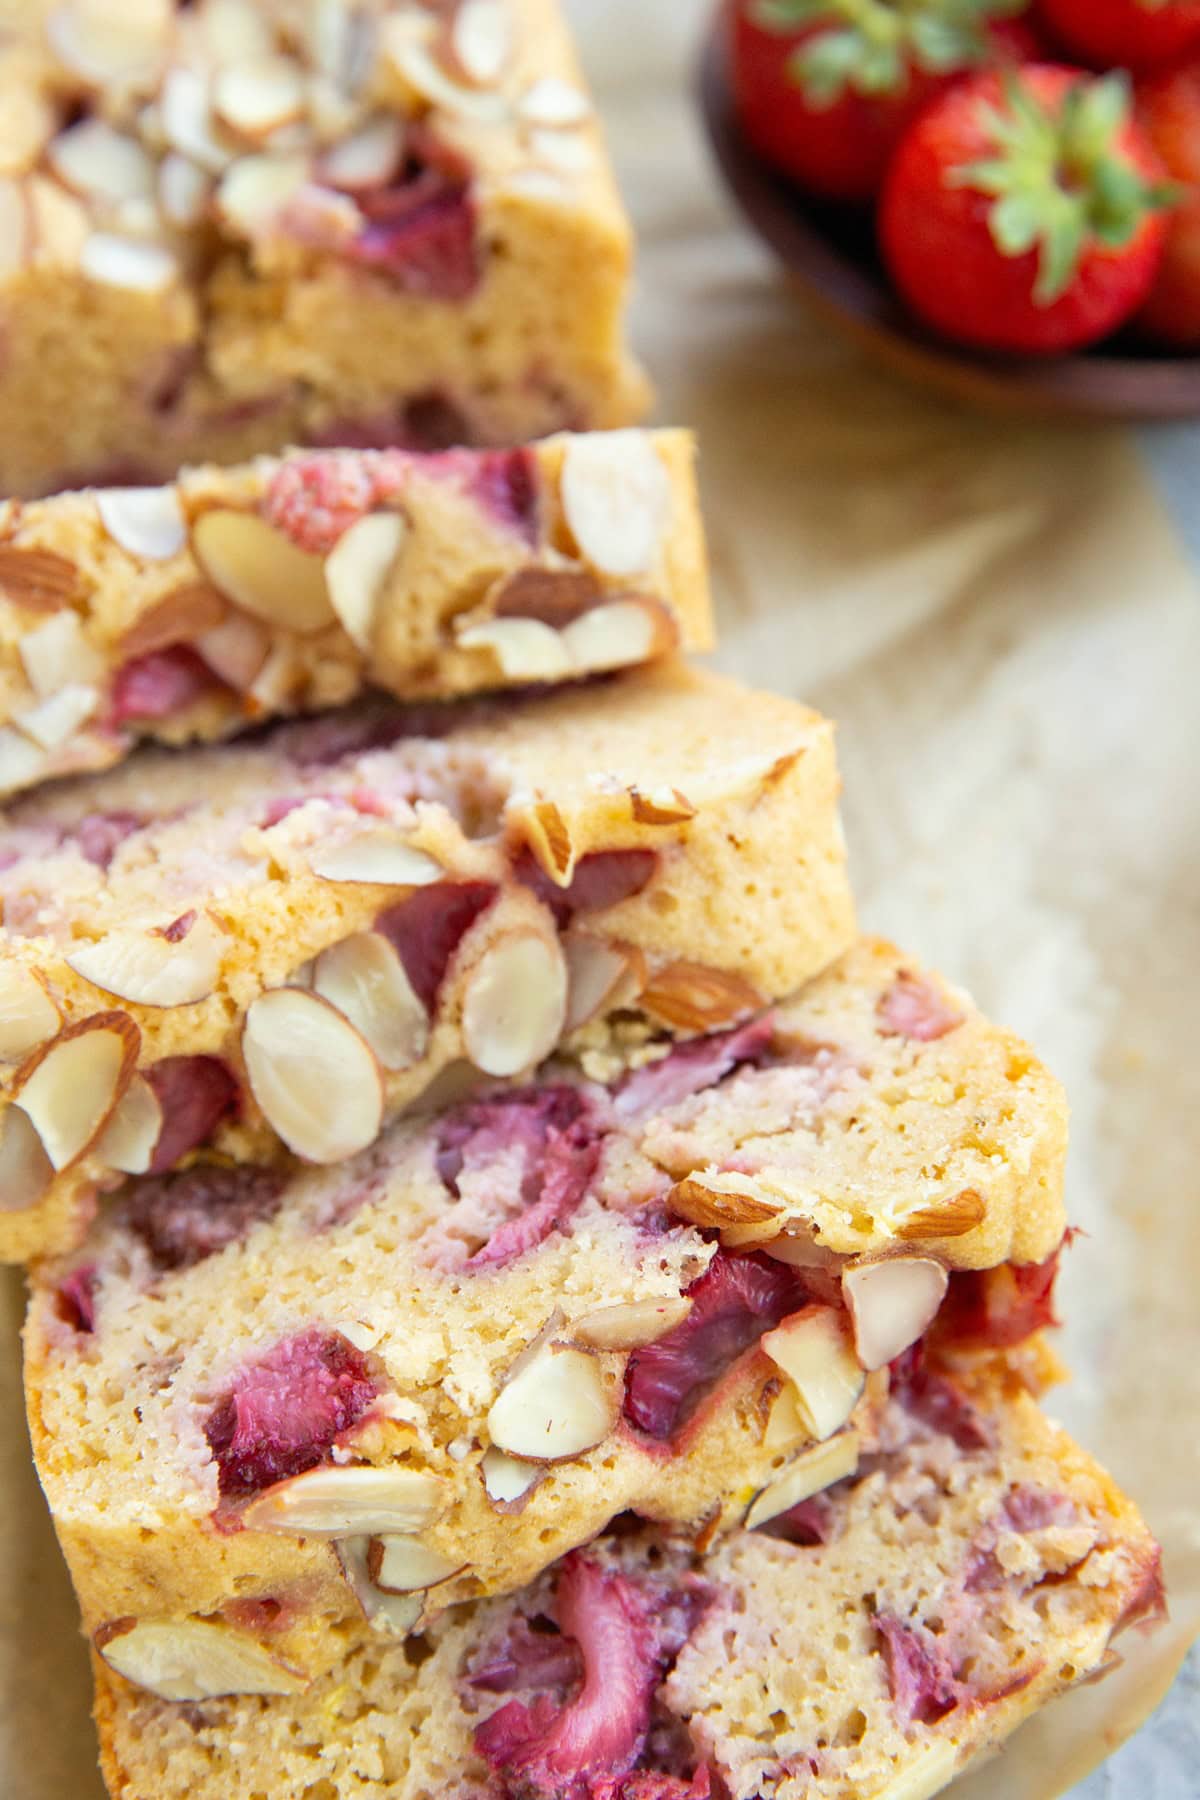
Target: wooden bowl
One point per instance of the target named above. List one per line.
(829, 253)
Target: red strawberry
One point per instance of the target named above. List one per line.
(1169, 111)
(1023, 212)
(1134, 34)
(825, 88)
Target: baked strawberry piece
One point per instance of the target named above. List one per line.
(272, 947)
(668, 1279)
(877, 1645)
(195, 610)
(235, 225)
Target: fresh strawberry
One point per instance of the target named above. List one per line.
(1024, 212)
(1133, 34)
(825, 88)
(1169, 110)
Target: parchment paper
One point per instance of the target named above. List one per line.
(1002, 620)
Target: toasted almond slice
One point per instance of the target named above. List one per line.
(368, 158)
(129, 1140)
(619, 634)
(394, 1614)
(357, 568)
(184, 191)
(37, 579)
(719, 1199)
(365, 979)
(276, 687)
(661, 806)
(553, 102)
(14, 227)
(786, 1426)
(480, 42)
(21, 761)
(688, 996)
(554, 1406)
(185, 614)
(70, 1087)
(403, 1564)
(631, 1325)
(256, 189)
(814, 1352)
(567, 151)
(812, 1471)
(152, 968)
(949, 1218)
(333, 113)
(550, 840)
(25, 1169)
(262, 570)
(315, 1078)
(413, 61)
(348, 1502)
(28, 124)
(108, 46)
(59, 225)
(382, 858)
(525, 649)
(100, 163)
(126, 263)
(255, 98)
(147, 522)
(52, 721)
(193, 1659)
(601, 977)
(515, 1004)
(235, 32)
(540, 185)
(892, 1302)
(236, 650)
(507, 1479)
(28, 1016)
(616, 496)
(57, 654)
(185, 111)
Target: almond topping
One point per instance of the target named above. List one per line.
(262, 570)
(108, 46)
(525, 649)
(28, 1016)
(186, 613)
(480, 41)
(563, 150)
(129, 1140)
(814, 1470)
(184, 191)
(619, 634)
(191, 1659)
(57, 654)
(357, 569)
(602, 977)
(515, 1003)
(59, 717)
(127, 263)
(691, 997)
(353, 1502)
(59, 225)
(631, 1325)
(550, 841)
(37, 579)
(380, 858)
(720, 1200)
(235, 650)
(616, 497)
(554, 1406)
(101, 164)
(402, 1565)
(554, 102)
(25, 1169)
(368, 158)
(147, 522)
(187, 121)
(21, 761)
(508, 1479)
(252, 194)
(393, 1614)
(417, 68)
(365, 979)
(27, 125)
(256, 98)
(891, 1303)
(315, 1078)
(234, 32)
(949, 1218)
(71, 1086)
(150, 968)
(663, 806)
(814, 1353)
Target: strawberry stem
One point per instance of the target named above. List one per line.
(870, 46)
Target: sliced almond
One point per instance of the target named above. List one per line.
(569, 152)
(21, 761)
(601, 977)
(126, 263)
(256, 189)
(555, 103)
(262, 570)
(813, 1350)
(57, 654)
(616, 497)
(515, 1003)
(550, 840)
(718, 1200)
(71, 1086)
(184, 191)
(480, 42)
(554, 1406)
(315, 1078)
(192, 1659)
(26, 127)
(892, 1303)
(59, 225)
(507, 1479)
(37, 579)
(351, 1502)
(181, 616)
(367, 158)
(381, 858)
(812, 1471)
(108, 46)
(394, 1614)
(254, 98)
(689, 996)
(949, 1218)
(235, 32)
(25, 1170)
(28, 1016)
(14, 227)
(236, 650)
(414, 62)
(148, 522)
(632, 1324)
(188, 125)
(152, 968)
(661, 806)
(100, 163)
(525, 649)
(131, 1136)
(60, 716)
(365, 979)
(357, 568)
(403, 1565)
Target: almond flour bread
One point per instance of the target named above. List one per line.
(242, 224)
(314, 1408)
(276, 945)
(875, 1642)
(189, 612)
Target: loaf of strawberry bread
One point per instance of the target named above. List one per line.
(274, 946)
(234, 596)
(314, 1407)
(875, 1640)
(236, 225)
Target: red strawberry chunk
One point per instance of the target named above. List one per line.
(808, 1523)
(76, 1299)
(161, 684)
(426, 929)
(422, 236)
(937, 1402)
(914, 1007)
(996, 1309)
(645, 1784)
(529, 1659)
(100, 835)
(920, 1677)
(184, 1218)
(1148, 1603)
(602, 879)
(195, 1094)
(690, 1068)
(314, 499)
(285, 1412)
(734, 1302)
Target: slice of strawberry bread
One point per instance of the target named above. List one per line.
(874, 1641)
(274, 946)
(315, 1406)
(234, 225)
(236, 596)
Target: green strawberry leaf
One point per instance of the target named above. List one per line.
(873, 45)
